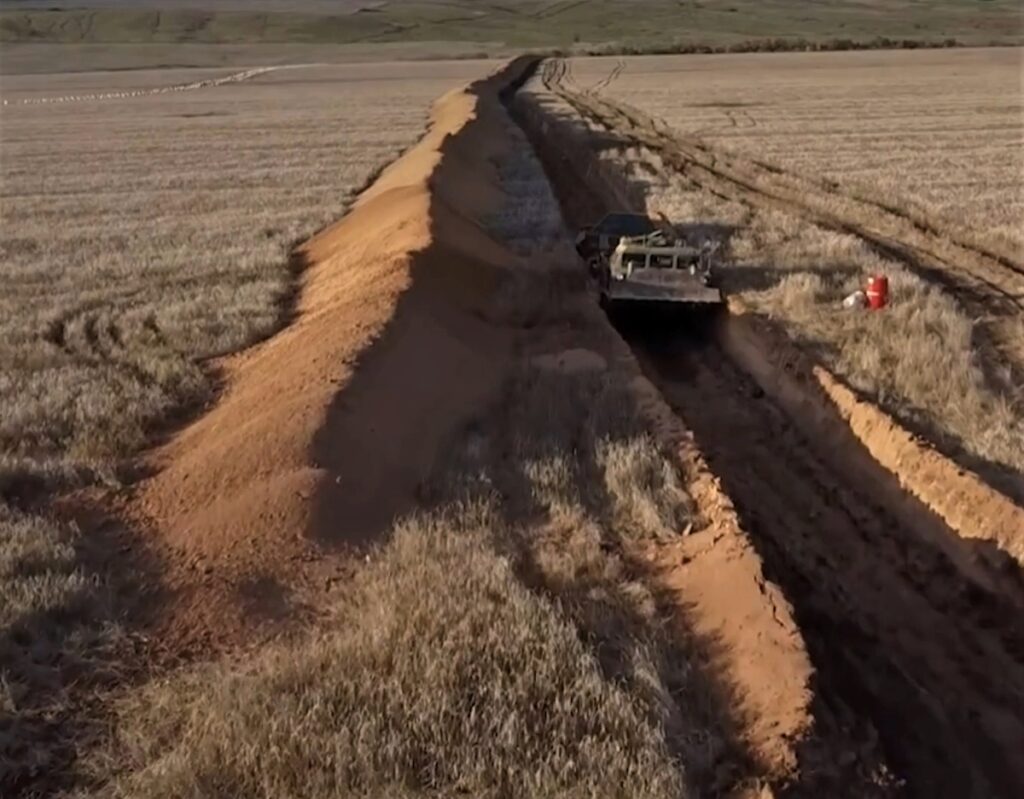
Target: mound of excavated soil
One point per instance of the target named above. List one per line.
(325, 431)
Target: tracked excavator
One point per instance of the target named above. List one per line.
(636, 259)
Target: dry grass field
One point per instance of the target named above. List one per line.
(940, 130)
(140, 238)
(160, 228)
(940, 142)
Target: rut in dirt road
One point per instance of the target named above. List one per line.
(900, 638)
(990, 285)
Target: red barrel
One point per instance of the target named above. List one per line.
(877, 291)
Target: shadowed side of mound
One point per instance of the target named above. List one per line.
(325, 432)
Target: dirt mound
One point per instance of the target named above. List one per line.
(963, 500)
(715, 578)
(989, 527)
(325, 431)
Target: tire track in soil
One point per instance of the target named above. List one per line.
(610, 78)
(110, 335)
(898, 636)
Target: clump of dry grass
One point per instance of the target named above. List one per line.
(643, 487)
(442, 675)
(57, 630)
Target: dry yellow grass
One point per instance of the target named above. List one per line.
(942, 130)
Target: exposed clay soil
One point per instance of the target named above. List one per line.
(324, 433)
(913, 640)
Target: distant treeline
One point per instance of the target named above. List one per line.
(772, 45)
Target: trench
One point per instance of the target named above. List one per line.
(903, 642)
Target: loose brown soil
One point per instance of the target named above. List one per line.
(988, 524)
